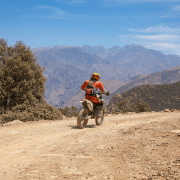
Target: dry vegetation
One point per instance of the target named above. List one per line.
(22, 86)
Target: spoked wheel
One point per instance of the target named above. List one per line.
(99, 120)
(81, 122)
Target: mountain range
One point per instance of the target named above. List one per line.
(67, 67)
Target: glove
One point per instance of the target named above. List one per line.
(107, 93)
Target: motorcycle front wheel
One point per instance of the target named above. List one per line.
(81, 122)
(99, 120)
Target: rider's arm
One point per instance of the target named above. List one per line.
(101, 87)
(84, 84)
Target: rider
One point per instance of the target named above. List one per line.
(92, 96)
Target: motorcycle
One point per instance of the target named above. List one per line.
(89, 111)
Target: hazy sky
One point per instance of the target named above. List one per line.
(154, 24)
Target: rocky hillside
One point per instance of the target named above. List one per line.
(167, 76)
(159, 97)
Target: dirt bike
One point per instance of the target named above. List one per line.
(90, 110)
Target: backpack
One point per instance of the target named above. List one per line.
(90, 89)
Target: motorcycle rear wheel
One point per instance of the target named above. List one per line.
(99, 120)
(81, 123)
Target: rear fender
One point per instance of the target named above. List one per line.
(87, 104)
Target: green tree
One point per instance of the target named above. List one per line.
(21, 77)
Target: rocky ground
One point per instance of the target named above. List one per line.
(130, 146)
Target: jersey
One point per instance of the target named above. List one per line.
(97, 85)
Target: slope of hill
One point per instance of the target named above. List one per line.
(159, 97)
(63, 83)
(167, 76)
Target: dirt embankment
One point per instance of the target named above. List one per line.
(136, 146)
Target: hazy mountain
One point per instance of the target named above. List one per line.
(136, 58)
(143, 60)
(53, 58)
(101, 51)
(159, 97)
(63, 83)
(68, 67)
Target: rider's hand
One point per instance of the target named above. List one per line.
(107, 93)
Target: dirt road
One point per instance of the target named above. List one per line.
(136, 146)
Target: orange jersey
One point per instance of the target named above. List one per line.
(96, 84)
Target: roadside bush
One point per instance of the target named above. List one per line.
(35, 112)
(126, 106)
(142, 107)
(69, 112)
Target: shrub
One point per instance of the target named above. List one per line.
(126, 106)
(142, 107)
(69, 112)
(32, 113)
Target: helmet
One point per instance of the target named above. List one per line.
(96, 76)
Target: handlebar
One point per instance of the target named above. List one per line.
(99, 93)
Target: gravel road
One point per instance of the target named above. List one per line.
(130, 146)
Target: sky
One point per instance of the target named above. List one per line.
(154, 24)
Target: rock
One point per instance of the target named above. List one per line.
(167, 110)
(176, 131)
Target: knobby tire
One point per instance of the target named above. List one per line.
(99, 120)
(80, 119)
